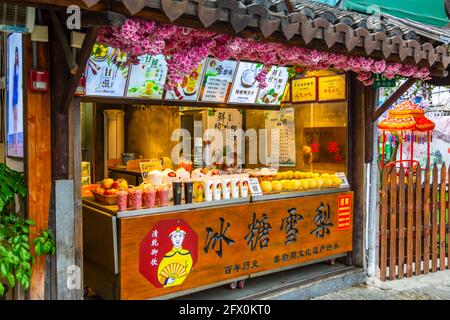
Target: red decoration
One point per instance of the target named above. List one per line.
(157, 244)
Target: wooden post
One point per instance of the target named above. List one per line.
(401, 222)
(419, 210)
(357, 172)
(442, 217)
(37, 160)
(66, 219)
(426, 222)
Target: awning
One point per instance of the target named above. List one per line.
(431, 12)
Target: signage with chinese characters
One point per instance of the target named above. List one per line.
(147, 78)
(245, 86)
(217, 80)
(173, 253)
(282, 129)
(106, 72)
(189, 88)
(383, 82)
(304, 90)
(332, 88)
(276, 81)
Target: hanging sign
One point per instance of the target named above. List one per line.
(276, 84)
(189, 88)
(217, 80)
(304, 90)
(147, 78)
(106, 72)
(245, 86)
(383, 82)
(332, 88)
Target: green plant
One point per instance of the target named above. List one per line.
(16, 258)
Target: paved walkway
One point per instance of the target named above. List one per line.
(434, 286)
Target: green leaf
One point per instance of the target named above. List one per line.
(38, 249)
(2, 290)
(30, 222)
(11, 280)
(3, 270)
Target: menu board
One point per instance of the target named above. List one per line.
(106, 72)
(217, 80)
(147, 78)
(332, 88)
(304, 90)
(245, 86)
(189, 88)
(276, 83)
(282, 127)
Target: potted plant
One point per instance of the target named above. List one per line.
(16, 257)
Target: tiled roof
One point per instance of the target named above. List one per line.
(383, 35)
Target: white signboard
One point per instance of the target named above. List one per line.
(245, 86)
(106, 72)
(147, 78)
(217, 80)
(276, 83)
(189, 88)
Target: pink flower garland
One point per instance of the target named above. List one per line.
(185, 48)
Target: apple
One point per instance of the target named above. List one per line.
(107, 183)
(110, 192)
(100, 190)
(115, 185)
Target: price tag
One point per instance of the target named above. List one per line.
(255, 187)
(341, 175)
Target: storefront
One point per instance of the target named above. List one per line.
(229, 231)
(301, 135)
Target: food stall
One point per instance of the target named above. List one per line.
(239, 219)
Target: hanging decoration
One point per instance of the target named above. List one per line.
(185, 48)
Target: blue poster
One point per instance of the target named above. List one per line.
(14, 93)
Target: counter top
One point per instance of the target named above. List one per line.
(201, 205)
(157, 210)
(297, 194)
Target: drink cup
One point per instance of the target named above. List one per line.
(244, 186)
(217, 189)
(122, 201)
(163, 196)
(149, 198)
(235, 186)
(226, 187)
(188, 191)
(135, 199)
(209, 186)
(177, 190)
(199, 187)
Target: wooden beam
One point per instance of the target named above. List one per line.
(107, 18)
(70, 60)
(394, 97)
(83, 56)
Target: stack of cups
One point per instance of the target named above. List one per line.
(122, 200)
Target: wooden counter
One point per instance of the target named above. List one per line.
(221, 244)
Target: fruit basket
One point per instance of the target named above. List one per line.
(108, 200)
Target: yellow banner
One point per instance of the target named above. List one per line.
(304, 90)
(332, 88)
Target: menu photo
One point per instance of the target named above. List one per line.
(217, 80)
(106, 72)
(147, 78)
(245, 86)
(277, 79)
(189, 88)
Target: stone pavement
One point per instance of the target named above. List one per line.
(433, 286)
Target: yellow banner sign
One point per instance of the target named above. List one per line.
(304, 90)
(332, 88)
